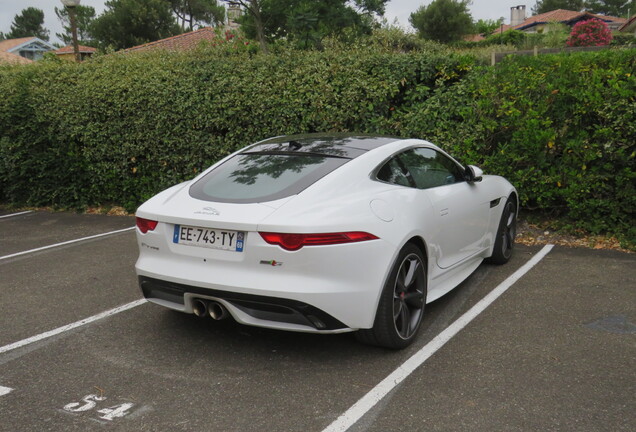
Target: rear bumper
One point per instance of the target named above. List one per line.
(248, 309)
(340, 283)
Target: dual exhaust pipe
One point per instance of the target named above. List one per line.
(214, 309)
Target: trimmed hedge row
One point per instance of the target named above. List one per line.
(121, 128)
(562, 128)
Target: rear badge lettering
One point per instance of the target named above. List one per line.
(149, 247)
(210, 211)
(272, 263)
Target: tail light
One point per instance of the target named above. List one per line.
(293, 242)
(146, 225)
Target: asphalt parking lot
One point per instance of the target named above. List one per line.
(555, 352)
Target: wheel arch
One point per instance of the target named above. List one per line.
(421, 245)
(516, 197)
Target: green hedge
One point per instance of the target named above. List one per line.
(121, 128)
(562, 128)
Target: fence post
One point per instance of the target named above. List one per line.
(493, 59)
(536, 51)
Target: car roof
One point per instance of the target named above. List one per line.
(335, 145)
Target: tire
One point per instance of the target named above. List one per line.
(505, 240)
(402, 302)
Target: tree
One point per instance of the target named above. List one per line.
(30, 22)
(543, 6)
(254, 8)
(592, 32)
(555, 35)
(127, 23)
(617, 8)
(84, 16)
(307, 22)
(196, 12)
(443, 20)
(486, 27)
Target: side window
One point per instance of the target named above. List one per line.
(395, 172)
(430, 168)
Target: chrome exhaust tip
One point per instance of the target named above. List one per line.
(217, 311)
(199, 307)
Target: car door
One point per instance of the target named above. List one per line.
(460, 213)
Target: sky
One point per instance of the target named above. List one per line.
(396, 9)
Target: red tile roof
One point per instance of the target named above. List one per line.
(474, 38)
(180, 42)
(7, 44)
(6, 57)
(562, 15)
(69, 50)
(502, 28)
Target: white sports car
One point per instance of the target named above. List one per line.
(324, 234)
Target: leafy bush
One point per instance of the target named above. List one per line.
(556, 35)
(562, 128)
(510, 37)
(123, 127)
(592, 32)
(623, 39)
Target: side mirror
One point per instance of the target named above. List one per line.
(473, 174)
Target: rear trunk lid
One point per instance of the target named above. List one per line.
(176, 206)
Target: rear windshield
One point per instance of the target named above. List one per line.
(258, 177)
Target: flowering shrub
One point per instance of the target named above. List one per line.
(592, 32)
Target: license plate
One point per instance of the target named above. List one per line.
(209, 238)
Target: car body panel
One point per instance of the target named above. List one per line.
(456, 224)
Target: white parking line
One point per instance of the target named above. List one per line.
(71, 326)
(65, 243)
(16, 214)
(368, 401)
(5, 390)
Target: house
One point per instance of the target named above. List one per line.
(31, 48)
(629, 26)
(538, 23)
(68, 53)
(184, 41)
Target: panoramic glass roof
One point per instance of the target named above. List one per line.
(335, 145)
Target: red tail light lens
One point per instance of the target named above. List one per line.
(146, 225)
(293, 242)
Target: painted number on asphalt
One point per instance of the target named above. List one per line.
(115, 411)
(89, 402)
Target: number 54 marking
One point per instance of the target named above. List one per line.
(90, 401)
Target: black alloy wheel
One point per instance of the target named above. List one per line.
(408, 296)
